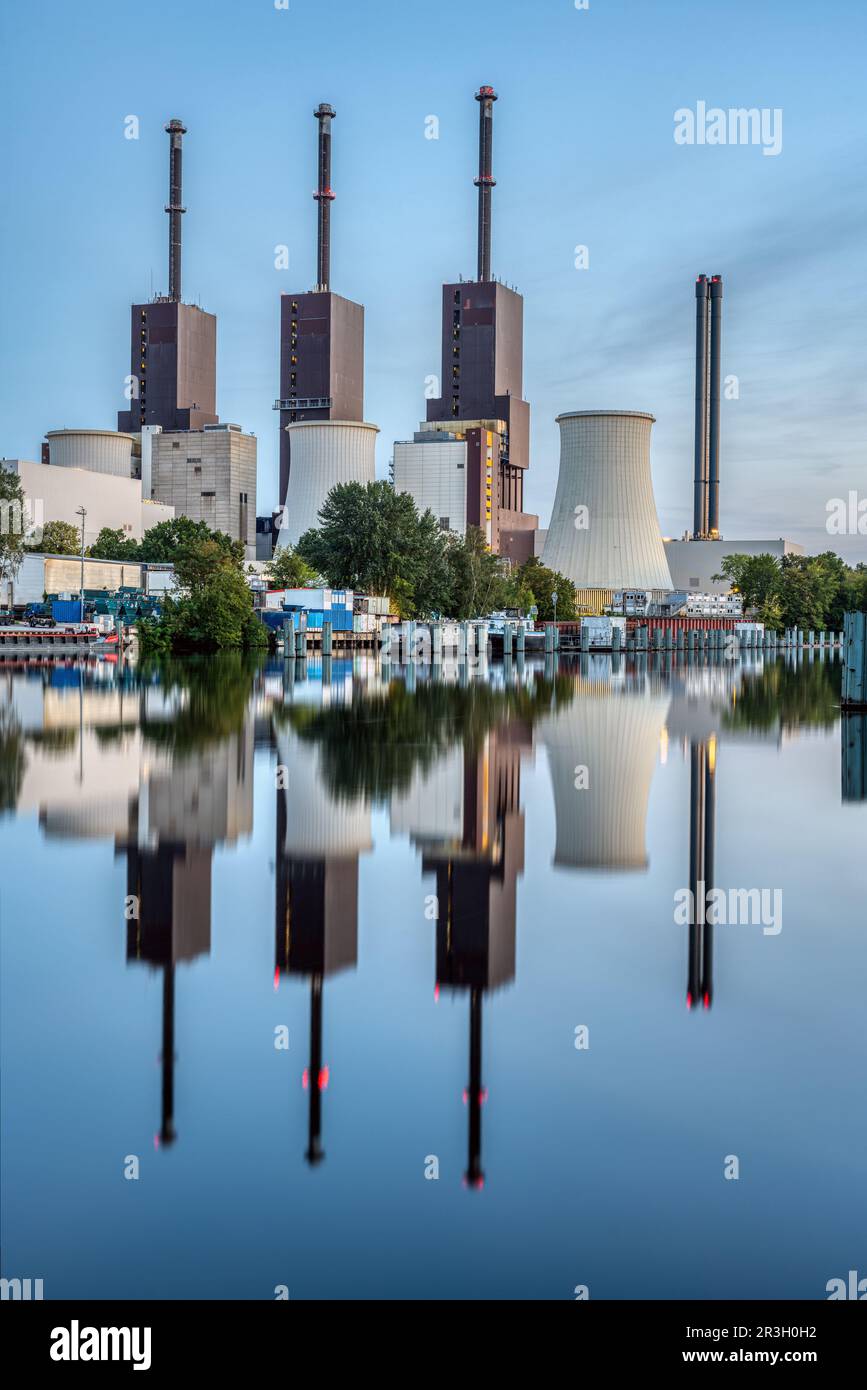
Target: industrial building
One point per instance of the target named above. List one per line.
(209, 475)
(453, 473)
(89, 469)
(173, 346)
(694, 564)
(481, 397)
(604, 533)
(321, 335)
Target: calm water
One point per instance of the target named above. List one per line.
(403, 875)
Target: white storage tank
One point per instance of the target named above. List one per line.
(97, 451)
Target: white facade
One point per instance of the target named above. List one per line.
(56, 494)
(435, 476)
(323, 454)
(208, 475)
(97, 451)
(693, 564)
(604, 531)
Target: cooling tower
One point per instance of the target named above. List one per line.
(614, 734)
(324, 453)
(605, 468)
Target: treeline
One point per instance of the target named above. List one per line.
(373, 540)
(811, 592)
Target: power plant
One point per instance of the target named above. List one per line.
(481, 403)
(321, 335)
(173, 346)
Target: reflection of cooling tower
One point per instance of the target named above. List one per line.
(605, 468)
(616, 737)
(318, 823)
(324, 453)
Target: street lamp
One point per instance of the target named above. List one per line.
(82, 512)
(554, 601)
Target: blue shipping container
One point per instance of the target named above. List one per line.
(66, 610)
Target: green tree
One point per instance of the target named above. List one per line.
(755, 577)
(214, 612)
(543, 583)
(168, 541)
(476, 582)
(12, 524)
(372, 539)
(114, 545)
(59, 538)
(287, 570)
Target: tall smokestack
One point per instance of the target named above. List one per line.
(176, 130)
(716, 290)
(485, 96)
(699, 521)
(325, 115)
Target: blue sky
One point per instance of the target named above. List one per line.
(583, 153)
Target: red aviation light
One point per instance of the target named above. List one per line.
(323, 1079)
(276, 977)
(305, 1078)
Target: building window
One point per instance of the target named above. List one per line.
(444, 523)
(176, 444)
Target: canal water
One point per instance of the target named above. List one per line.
(372, 983)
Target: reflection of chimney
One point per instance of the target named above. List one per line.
(702, 833)
(172, 887)
(168, 1133)
(316, 927)
(485, 96)
(475, 1097)
(324, 196)
(315, 1075)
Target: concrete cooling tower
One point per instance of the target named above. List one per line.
(605, 468)
(615, 734)
(323, 453)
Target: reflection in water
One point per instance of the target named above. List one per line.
(611, 726)
(159, 763)
(702, 832)
(319, 840)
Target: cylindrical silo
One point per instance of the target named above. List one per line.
(97, 451)
(604, 531)
(324, 453)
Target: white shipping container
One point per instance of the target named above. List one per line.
(319, 599)
(28, 586)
